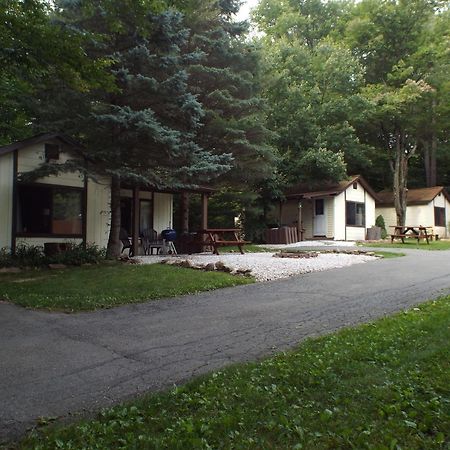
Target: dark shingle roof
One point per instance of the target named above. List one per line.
(327, 189)
(43, 137)
(420, 196)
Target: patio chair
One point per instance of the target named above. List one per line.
(150, 241)
(126, 241)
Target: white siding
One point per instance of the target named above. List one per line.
(420, 215)
(356, 233)
(32, 157)
(441, 202)
(41, 241)
(307, 218)
(339, 217)
(355, 195)
(162, 211)
(329, 214)
(447, 218)
(388, 213)
(6, 198)
(362, 196)
(98, 212)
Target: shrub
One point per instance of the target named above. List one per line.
(33, 256)
(5, 257)
(379, 222)
(25, 256)
(78, 254)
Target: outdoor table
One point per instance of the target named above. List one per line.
(223, 237)
(415, 231)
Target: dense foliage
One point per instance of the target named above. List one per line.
(176, 92)
(34, 256)
(364, 81)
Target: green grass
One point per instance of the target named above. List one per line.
(388, 255)
(248, 248)
(379, 386)
(411, 244)
(93, 287)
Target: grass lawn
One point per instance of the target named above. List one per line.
(248, 248)
(412, 244)
(105, 286)
(384, 385)
(388, 255)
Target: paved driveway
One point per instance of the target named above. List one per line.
(56, 364)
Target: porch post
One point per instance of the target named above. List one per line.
(204, 211)
(136, 221)
(184, 212)
(299, 221)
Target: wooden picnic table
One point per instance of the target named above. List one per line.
(415, 231)
(223, 237)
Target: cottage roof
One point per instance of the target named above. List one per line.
(43, 137)
(327, 189)
(420, 196)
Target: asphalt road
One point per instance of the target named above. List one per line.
(54, 364)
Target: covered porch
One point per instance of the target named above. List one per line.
(144, 210)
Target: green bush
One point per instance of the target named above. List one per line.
(78, 254)
(5, 257)
(25, 256)
(33, 256)
(379, 222)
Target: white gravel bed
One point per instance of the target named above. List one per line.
(312, 244)
(265, 267)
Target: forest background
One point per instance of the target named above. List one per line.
(176, 93)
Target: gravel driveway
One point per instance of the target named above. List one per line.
(266, 267)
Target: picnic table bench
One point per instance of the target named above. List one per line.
(223, 237)
(411, 231)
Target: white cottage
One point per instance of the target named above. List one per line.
(341, 211)
(69, 207)
(429, 207)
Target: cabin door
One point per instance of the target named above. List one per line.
(320, 224)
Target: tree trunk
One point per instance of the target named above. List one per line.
(433, 170)
(114, 244)
(400, 179)
(426, 160)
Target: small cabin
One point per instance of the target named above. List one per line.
(429, 207)
(69, 207)
(341, 211)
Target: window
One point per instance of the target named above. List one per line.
(51, 152)
(355, 185)
(439, 217)
(355, 214)
(126, 215)
(49, 210)
(146, 218)
(319, 207)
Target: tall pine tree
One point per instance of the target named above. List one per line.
(144, 130)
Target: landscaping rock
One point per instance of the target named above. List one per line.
(296, 255)
(210, 267)
(57, 266)
(221, 267)
(244, 272)
(185, 263)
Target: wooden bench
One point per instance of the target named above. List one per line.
(403, 236)
(415, 232)
(223, 237)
